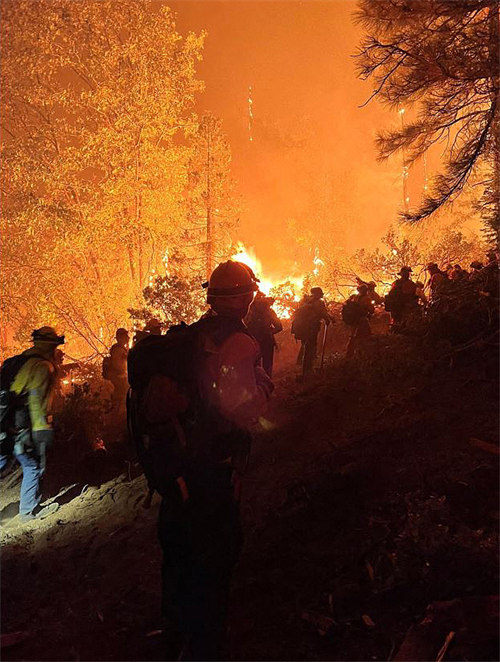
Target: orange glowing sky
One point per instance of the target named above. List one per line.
(310, 135)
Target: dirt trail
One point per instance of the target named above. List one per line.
(364, 497)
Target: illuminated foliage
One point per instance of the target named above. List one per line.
(442, 57)
(95, 98)
(171, 300)
(285, 297)
(212, 204)
(415, 248)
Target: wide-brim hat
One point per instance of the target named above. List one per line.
(47, 334)
(405, 270)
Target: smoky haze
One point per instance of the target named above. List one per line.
(311, 139)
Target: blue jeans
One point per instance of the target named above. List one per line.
(30, 486)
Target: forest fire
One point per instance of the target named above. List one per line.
(336, 410)
(289, 285)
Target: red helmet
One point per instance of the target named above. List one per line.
(231, 279)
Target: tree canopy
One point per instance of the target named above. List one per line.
(213, 206)
(97, 100)
(442, 58)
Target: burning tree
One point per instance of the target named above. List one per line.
(441, 56)
(95, 95)
(212, 208)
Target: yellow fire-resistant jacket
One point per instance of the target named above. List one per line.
(36, 380)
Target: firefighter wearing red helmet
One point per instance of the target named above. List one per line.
(200, 530)
(242, 386)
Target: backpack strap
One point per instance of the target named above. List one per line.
(13, 365)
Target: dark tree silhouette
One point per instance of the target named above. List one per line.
(442, 58)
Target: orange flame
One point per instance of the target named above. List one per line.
(266, 285)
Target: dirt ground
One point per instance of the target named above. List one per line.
(367, 498)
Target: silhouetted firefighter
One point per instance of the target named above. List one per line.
(195, 394)
(114, 368)
(356, 313)
(438, 281)
(306, 325)
(402, 300)
(263, 323)
(27, 388)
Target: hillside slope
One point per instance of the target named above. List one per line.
(365, 500)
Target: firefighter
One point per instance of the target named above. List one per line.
(306, 326)
(152, 328)
(420, 294)
(458, 274)
(199, 526)
(118, 368)
(30, 379)
(375, 297)
(361, 330)
(402, 300)
(490, 276)
(263, 323)
(438, 280)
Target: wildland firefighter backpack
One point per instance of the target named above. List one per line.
(303, 321)
(170, 424)
(11, 405)
(106, 367)
(392, 300)
(402, 292)
(352, 312)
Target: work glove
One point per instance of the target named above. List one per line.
(42, 439)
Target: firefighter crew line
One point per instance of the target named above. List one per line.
(195, 394)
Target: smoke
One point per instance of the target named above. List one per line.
(311, 161)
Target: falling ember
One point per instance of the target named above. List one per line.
(250, 114)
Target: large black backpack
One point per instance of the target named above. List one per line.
(303, 321)
(11, 405)
(352, 312)
(396, 299)
(171, 426)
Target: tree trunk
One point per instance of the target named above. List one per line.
(209, 265)
(210, 233)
